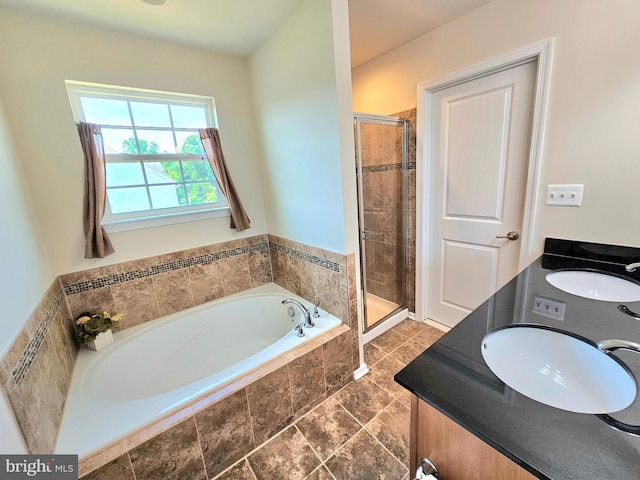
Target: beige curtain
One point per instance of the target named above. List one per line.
(97, 243)
(211, 143)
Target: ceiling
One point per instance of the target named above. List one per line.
(377, 26)
(238, 27)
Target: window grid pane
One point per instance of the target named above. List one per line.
(175, 183)
(139, 127)
(126, 200)
(155, 159)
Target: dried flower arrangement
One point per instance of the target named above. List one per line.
(89, 326)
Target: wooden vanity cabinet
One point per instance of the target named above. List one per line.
(456, 452)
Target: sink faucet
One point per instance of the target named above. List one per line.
(632, 267)
(305, 311)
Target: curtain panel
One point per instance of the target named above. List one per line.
(211, 143)
(97, 243)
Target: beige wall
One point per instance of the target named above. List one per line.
(37, 54)
(340, 14)
(294, 84)
(25, 273)
(592, 134)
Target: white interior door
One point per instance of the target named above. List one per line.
(480, 133)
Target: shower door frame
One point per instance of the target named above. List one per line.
(402, 312)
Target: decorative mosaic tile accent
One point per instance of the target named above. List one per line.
(388, 167)
(165, 267)
(26, 360)
(306, 257)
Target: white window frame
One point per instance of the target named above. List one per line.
(153, 217)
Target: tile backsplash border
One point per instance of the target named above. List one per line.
(114, 279)
(49, 331)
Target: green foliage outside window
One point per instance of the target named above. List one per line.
(129, 146)
(193, 170)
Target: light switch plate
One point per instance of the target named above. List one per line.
(565, 195)
(549, 307)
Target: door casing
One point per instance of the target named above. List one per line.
(541, 52)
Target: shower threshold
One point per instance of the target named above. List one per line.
(378, 308)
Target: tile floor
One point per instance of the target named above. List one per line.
(360, 432)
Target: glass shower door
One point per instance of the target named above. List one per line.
(381, 162)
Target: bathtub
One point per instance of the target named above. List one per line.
(162, 366)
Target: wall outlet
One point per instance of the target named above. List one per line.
(549, 307)
(565, 195)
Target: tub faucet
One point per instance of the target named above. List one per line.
(305, 311)
(299, 330)
(632, 267)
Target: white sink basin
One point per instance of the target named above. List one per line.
(558, 369)
(594, 285)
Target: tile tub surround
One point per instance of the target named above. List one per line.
(312, 273)
(150, 288)
(35, 372)
(213, 433)
(319, 276)
(147, 289)
(333, 440)
(153, 287)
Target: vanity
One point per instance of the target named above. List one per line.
(472, 425)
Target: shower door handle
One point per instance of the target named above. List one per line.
(366, 235)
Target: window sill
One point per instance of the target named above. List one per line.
(116, 226)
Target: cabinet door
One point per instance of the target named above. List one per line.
(457, 453)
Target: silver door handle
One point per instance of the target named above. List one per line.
(511, 236)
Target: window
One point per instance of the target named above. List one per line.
(157, 172)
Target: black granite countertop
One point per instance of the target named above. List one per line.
(551, 443)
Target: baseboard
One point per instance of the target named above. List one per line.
(360, 372)
(387, 324)
(437, 325)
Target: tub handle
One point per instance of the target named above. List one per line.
(316, 313)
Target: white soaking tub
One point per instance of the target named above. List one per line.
(156, 368)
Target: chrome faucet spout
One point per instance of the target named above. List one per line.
(632, 267)
(308, 323)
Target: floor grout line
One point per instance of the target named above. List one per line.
(389, 451)
(362, 426)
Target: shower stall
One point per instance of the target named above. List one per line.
(381, 170)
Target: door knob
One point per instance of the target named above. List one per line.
(511, 236)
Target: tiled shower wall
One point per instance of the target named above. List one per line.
(35, 372)
(382, 176)
(410, 115)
